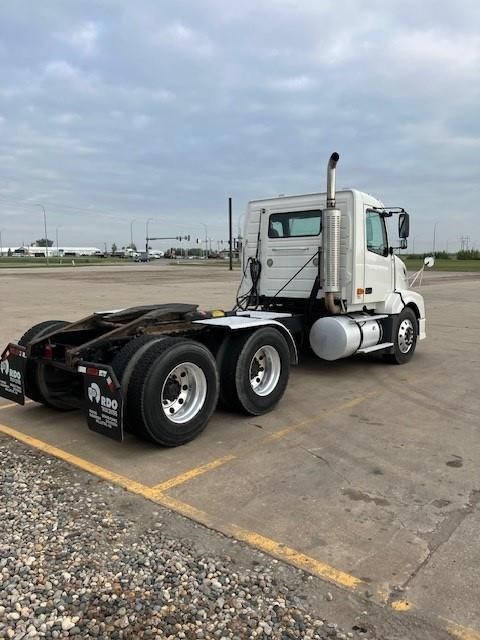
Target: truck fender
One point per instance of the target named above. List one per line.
(244, 323)
(397, 300)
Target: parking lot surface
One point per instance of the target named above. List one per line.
(366, 474)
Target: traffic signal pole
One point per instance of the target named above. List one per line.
(230, 232)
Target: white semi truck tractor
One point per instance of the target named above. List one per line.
(318, 271)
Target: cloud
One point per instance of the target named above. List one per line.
(293, 84)
(62, 70)
(83, 38)
(66, 118)
(433, 50)
(183, 38)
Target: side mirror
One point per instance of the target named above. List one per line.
(403, 243)
(403, 226)
(429, 261)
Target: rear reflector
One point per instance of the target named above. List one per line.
(48, 352)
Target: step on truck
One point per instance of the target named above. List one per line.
(318, 271)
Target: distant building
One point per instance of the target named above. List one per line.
(61, 252)
(225, 254)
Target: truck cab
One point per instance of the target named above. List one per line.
(300, 255)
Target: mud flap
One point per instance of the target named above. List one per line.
(103, 400)
(13, 363)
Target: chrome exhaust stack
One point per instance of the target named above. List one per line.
(331, 175)
(331, 240)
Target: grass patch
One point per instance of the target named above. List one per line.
(444, 265)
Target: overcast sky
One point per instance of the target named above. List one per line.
(116, 111)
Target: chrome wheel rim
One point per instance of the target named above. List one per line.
(264, 371)
(406, 335)
(184, 392)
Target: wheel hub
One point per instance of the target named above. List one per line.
(405, 335)
(264, 371)
(184, 392)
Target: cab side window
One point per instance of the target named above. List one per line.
(376, 233)
(297, 224)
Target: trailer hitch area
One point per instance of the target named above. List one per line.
(13, 363)
(103, 400)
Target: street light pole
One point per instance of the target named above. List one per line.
(45, 226)
(56, 240)
(206, 239)
(131, 233)
(434, 236)
(230, 234)
(146, 235)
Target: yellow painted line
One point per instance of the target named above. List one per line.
(186, 510)
(14, 404)
(193, 473)
(278, 435)
(296, 558)
(401, 605)
(461, 632)
(319, 416)
(101, 472)
(262, 543)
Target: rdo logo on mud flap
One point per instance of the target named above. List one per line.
(7, 371)
(95, 395)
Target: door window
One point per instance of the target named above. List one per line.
(376, 233)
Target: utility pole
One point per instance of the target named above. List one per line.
(45, 226)
(131, 233)
(230, 234)
(464, 243)
(146, 236)
(206, 239)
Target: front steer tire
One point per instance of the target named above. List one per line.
(404, 337)
(254, 371)
(36, 385)
(172, 392)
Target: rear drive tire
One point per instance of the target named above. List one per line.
(172, 392)
(123, 364)
(404, 337)
(36, 384)
(255, 371)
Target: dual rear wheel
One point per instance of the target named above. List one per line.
(171, 385)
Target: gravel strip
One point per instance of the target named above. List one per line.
(73, 564)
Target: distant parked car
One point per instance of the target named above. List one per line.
(143, 257)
